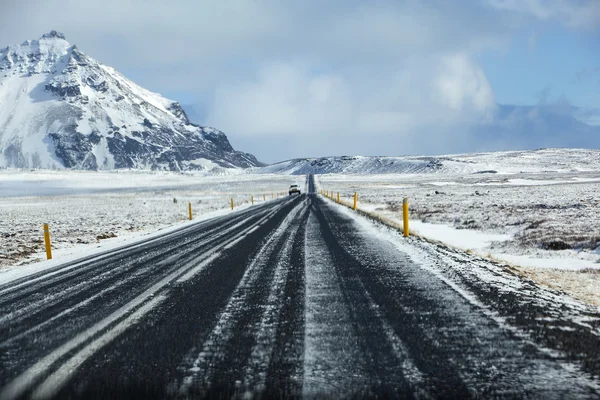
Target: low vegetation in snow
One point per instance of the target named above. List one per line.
(104, 206)
(546, 223)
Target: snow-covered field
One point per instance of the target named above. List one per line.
(536, 210)
(531, 161)
(546, 223)
(91, 210)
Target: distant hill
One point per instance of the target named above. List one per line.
(543, 160)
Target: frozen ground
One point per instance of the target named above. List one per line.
(546, 223)
(89, 211)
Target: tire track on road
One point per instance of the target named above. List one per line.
(347, 350)
(143, 361)
(61, 320)
(237, 350)
(44, 365)
(454, 343)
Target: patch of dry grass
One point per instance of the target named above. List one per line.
(583, 285)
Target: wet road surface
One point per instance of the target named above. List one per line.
(286, 299)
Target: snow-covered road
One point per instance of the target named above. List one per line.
(298, 297)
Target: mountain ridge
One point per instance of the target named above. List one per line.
(60, 108)
(540, 160)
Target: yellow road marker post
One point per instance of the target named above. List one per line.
(190, 210)
(231, 202)
(355, 200)
(47, 242)
(338, 197)
(405, 215)
(252, 199)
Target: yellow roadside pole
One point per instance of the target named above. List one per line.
(231, 202)
(252, 199)
(355, 200)
(405, 215)
(338, 197)
(264, 197)
(190, 210)
(47, 242)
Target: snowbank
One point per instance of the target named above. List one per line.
(82, 208)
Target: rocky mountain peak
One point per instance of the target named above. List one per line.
(53, 34)
(60, 108)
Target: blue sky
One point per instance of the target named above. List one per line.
(310, 77)
(554, 57)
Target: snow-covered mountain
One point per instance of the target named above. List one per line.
(542, 160)
(60, 108)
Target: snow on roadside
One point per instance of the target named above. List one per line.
(480, 243)
(68, 254)
(549, 232)
(556, 221)
(465, 239)
(446, 262)
(129, 207)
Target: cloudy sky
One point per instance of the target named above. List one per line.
(292, 78)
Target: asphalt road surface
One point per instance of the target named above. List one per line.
(285, 299)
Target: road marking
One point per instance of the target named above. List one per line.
(190, 274)
(201, 365)
(46, 301)
(332, 362)
(33, 374)
(56, 270)
(261, 354)
(50, 387)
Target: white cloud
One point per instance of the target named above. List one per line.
(190, 44)
(580, 14)
(303, 77)
(463, 86)
(284, 100)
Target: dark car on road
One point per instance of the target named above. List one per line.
(294, 189)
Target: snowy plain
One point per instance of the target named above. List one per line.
(556, 221)
(95, 211)
(537, 211)
(544, 223)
